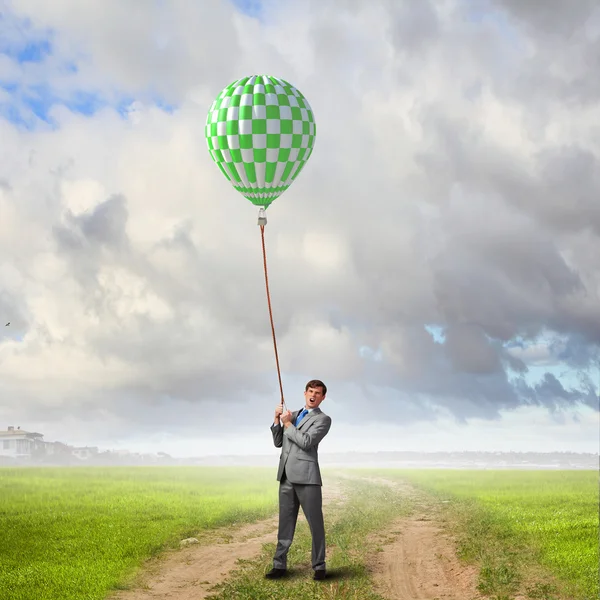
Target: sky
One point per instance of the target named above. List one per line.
(435, 263)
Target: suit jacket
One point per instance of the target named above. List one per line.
(299, 447)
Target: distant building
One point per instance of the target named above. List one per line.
(57, 448)
(16, 443)
(85, 452)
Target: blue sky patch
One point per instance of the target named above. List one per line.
(34, 52)
(21, 42)
(252, 8)
(437, 333)
(30, 104)
(370, 354)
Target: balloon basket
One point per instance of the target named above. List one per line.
(262, 216)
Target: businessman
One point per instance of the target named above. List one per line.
(298, 435)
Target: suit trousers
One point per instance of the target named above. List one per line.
(291, 497)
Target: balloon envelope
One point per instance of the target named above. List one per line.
(260, 131)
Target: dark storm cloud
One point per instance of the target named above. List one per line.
(560, 191)
(503, 274)
(472, 376)
(469, 350)
(414, 27)
(551, 17)
(576, 351)
(103, 227)
(90, 240)
(564, 50)
(552, 394)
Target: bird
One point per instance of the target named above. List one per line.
(7, 324)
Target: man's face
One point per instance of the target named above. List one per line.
(314, 397)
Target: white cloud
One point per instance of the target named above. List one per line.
(452, 183)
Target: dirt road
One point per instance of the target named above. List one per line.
(416, 560)
(191, 572)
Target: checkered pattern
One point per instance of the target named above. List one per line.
(260, 131)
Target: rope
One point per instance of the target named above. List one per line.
(262, 235)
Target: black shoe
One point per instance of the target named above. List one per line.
(275, 573)
(320, 575)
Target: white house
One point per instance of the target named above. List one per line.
(17, 443)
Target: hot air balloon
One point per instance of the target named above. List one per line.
(260, 132)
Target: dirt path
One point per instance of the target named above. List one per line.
(190, 573)
(419, 563)
(418, 559)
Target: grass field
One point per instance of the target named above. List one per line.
(73, 533)
(77, 533)
(512, 520)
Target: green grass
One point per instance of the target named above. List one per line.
(76, 533)
(511, 521)
(369, 509)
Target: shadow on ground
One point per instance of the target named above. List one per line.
(343, 573)
(332, 574)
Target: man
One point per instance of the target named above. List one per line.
(298, 435)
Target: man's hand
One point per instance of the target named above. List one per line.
(287, 418)
(278, 413)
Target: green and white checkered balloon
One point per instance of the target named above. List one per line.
(260, 131)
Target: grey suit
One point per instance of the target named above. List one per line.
(300, 483)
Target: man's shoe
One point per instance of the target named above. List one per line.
(275, 573)
(320, 575)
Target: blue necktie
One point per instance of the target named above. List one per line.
(301, 416)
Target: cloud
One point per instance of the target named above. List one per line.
(452, 184)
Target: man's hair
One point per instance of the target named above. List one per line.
(315, 383)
